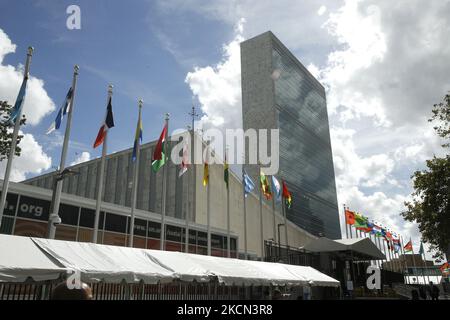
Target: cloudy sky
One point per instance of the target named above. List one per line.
(383, 63)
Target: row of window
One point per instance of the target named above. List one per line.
(37, 209)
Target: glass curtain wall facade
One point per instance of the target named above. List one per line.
(290, 99)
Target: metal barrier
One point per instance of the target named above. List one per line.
(137, 291)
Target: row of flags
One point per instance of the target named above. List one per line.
(363, 224)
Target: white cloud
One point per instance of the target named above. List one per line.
(37, 102)
(82, 157)
(322, 10)
(32, 160)
(218, 88)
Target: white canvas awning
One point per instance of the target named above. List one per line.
(362, 248)
(20, 259)
(111, 264)
(48, 259)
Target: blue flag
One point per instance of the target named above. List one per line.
(19, 102)
(61, 113)
(248, 183)
(277, 189)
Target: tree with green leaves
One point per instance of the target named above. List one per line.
(5, 134)
(430, 206)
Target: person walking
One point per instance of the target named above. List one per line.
(434, 291)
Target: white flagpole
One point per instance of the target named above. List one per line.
(162, 240)
(228, 207)
(54, 210)
(274, 218)
(186, 245)
(261, 227)
(135, 180)
(208, 204)
(245, 218)
(12, 149)
(285, 226)
(100, 177)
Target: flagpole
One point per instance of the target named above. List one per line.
(413, 258)
(162, 240)
(274, 218)
(404, 256)
(186, 249)
(208, 205)
(345, 223)
(261, 227)
(100, 177)
(12, 149)
(54, 208)
(245, 218)
(228, 207)
(135, 178)
(285, 225)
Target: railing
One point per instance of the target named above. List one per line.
(138, 291)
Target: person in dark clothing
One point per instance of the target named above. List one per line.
(422, 293)
(434, 291)
(414, 295)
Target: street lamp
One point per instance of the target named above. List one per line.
(54, 219)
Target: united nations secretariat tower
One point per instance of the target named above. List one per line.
(277, 93)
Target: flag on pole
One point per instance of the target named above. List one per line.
(287, 195)
(360, 222)
(396, 243)
(248, 183)
(159, 156)
(184, 161)
(445, 268)
(61, 112)
(19, 102)
(276, 189)
(421, 250)
(265, 186)
(408, 247)
(137, 137)
(107, 124)
(206, 170)
(349, 217)
(226, 172)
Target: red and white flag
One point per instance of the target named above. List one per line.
(107, 124)
(185, 160)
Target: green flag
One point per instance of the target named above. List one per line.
(421, 251)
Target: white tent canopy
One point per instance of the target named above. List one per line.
(21, 259)
(114, 264)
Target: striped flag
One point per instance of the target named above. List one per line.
(61, 112)
(408, 247)
(137, 137)
(159, 155)
(287, 195)
(265, 186)
(107, 124)
(19, 101)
